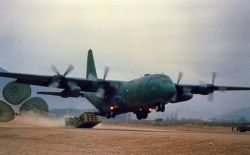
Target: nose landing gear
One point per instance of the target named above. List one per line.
(160, 107)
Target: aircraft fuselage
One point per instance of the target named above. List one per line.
(137, 95)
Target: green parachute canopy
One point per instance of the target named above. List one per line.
(6, 112)
(15, 93)
(37, 105)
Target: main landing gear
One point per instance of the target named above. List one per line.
(112, 112)
(160, 107)
(143, 113)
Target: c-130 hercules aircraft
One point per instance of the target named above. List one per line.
(112, 98)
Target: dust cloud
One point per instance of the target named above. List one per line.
(35, 120)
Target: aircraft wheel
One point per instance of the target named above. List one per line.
(138, 116)
(108, 115)
(157, 108)
(112, 114)
(162, 107)
(144, 115)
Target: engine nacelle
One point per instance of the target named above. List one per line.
(182, 97)
(204, 90)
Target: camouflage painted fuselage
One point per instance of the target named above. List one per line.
(142, 93)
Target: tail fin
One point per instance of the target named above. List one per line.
(91, 70)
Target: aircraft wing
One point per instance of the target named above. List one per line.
(43, 80)
(207, 89)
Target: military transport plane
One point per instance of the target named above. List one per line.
(112, 98)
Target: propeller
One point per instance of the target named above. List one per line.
(54, 69)
(214, 75)
(56, 80)
(68, 70)
(105, 89)
(211, 95)
(180, 75)
(54, 84)
(106, 71)
(208, 89)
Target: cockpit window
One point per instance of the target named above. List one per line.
(160, 77)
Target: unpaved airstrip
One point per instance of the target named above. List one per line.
(38, 138)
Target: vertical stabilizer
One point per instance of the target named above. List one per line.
(91, 70)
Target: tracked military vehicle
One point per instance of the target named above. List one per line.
(86, 120)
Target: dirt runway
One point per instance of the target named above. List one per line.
(121, 139)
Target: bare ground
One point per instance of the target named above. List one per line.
(30, 138)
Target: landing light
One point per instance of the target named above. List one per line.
(149, 109)
(111, 108)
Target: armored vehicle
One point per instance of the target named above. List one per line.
(86, 120)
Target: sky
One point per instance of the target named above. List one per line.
(134, 37)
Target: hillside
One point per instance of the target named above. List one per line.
(242, 114)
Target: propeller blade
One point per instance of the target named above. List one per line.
(174, 98)
(100, 93)
(180, 75)
(73, 86)
(54, 84)
(213, 77)
(106, 71)
(54, 69)
(69, 69)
